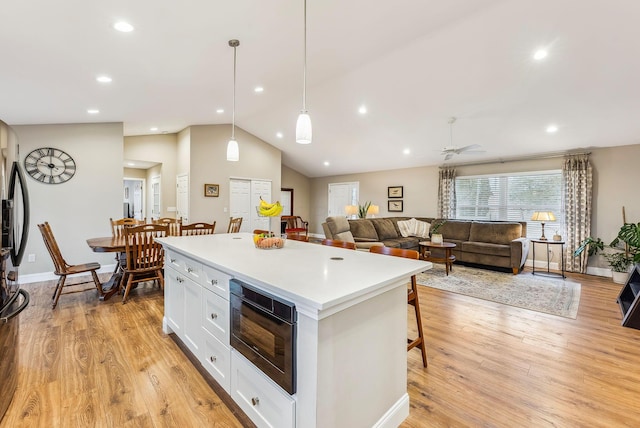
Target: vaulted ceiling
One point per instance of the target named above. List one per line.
(412, 64)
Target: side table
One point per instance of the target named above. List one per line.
(547, 243)
(448, 259)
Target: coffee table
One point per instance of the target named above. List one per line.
(448, 259)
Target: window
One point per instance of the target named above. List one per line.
(512, 197)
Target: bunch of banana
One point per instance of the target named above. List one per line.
(269, 210)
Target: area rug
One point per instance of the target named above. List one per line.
(552, 296)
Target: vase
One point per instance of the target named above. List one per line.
(436, 238)
(619, 277)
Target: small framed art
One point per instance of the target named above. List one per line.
(395, 206)
(394, 191)
(212, 190)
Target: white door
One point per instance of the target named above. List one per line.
(240, 202)
(261, 189)
(138, 199)
(155, 197)
(341, 195)
(182, 198)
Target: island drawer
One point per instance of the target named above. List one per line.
(215, 313)
(259, 397)
(216, 281)
(216, 360)
(183, 264)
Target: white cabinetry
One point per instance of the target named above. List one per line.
(266, 404)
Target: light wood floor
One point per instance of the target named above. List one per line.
(104, 364)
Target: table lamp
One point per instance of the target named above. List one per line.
(543, 216)
(373, 211)
(351, 210)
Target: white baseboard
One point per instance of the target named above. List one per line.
(396, 414)
(50, 276)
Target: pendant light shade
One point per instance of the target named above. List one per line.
(233, 151)
(303, 129)
(303, 126)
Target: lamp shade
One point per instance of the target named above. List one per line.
(373, 210)
(233, 152)
(351, 210)
(303, 129)
(543, 216)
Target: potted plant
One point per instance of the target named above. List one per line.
(619, 263)
(362, 209)
(436, 237)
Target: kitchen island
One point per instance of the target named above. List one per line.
(351, 332)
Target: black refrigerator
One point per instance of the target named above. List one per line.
(15, 231)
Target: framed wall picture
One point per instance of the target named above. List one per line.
(212, 190)
(394, 192)
(395, 206)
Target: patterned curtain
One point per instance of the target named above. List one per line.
(578, 185)
(447, 193)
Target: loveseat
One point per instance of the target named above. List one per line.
(485, 243)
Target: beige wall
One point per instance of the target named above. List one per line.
(161, 148)
(208, 164)
(80, 208)
(301, 186)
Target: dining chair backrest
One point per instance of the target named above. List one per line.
(340, 244)
(198, 229)
(260, 231)
(145, 256)
(298, 237)
(398, 252)
(295, 225)
(234, 225)
(59, 264)
(174, 224)
(118, 226)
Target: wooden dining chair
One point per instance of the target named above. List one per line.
(174, 224)
(412, 296)
(197, 229)
(295, 225)
(340, 244)
(234, 225)
(118, 226)
(64, 269)
(145, 256)
(298, 237)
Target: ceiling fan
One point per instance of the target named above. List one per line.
(451, 150)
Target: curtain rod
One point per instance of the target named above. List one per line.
(517, 159)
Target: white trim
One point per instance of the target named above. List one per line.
(396, 414)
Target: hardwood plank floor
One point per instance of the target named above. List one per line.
(104, 364)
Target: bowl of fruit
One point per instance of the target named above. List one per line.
(268, 241)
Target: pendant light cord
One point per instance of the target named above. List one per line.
(233, 115)
(304, 72)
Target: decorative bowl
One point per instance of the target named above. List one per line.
(268, 242)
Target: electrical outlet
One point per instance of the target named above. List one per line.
(31, 258)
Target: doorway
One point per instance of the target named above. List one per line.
(133, 198)
(341, 195)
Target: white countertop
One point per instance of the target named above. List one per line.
(301, 272)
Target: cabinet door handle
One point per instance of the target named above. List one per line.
(189, 269)
(255, 401)
(172, 260)
(214, 316)
(214, 282)
(180, 280)
(213, 358)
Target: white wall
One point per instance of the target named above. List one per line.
(80, 208)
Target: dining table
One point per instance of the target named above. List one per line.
(110, 244)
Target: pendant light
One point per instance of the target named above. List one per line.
(303, 126)
(233, 152)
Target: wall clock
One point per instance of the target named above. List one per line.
(49, 165)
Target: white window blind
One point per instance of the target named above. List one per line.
(512, 197)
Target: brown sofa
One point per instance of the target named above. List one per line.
(485, 243)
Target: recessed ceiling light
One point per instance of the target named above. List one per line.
(104, 79)
(326, 163)
(552, 128)
(93, 111)
(406, 151)
(220, 111)
(362, 110)
(123, 27)
(279, 134)
(258, 89)
(540, 54)
(154, 128)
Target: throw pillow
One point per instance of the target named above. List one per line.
(407, 227)
(421, 229)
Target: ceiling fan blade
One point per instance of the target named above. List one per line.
(469, 147)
